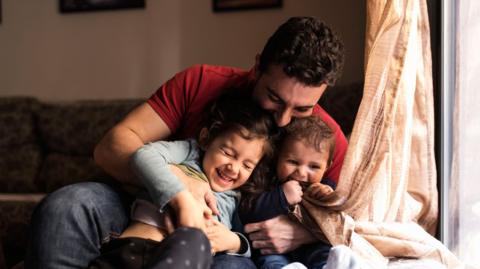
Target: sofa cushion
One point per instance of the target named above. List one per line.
(76, 127)
(17, 121)
(19, 166)
(60, 169)
(20, 155)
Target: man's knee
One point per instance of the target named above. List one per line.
(81, 199)
(63, 200)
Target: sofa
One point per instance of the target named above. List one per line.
(47, 145)
(44, 146)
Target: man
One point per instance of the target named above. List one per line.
(290, 75)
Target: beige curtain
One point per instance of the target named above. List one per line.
(386, 202)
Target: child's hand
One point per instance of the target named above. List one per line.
(200, 190)
(318, 190)
(221, 238)
(293, 192)
(189, 212)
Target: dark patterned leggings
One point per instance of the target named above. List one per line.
(184, 248)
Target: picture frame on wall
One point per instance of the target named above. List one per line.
(233, 5)
(71, 6)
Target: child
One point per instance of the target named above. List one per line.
(231, 147)
(306, 152)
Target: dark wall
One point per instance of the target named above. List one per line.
(434, 13)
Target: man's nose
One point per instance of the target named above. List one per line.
(283, 117)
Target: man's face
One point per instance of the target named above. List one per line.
(285, 97)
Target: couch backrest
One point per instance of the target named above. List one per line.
(20, 153)
(51, 144)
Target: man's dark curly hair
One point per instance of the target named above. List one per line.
(307, 49)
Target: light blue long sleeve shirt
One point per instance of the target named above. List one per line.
(151, 163)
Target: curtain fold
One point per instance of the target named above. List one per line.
(386, 202)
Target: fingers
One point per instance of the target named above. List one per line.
(211, 202)
(314, 191)
(265, 225)
(208, 223)
(262, 244)
(295, 185)
(258, 230)
(293, 192)
(207, 212)
(327, 191)
(260, 235)
(266, 247)
(170, 227)
(212, 223)
(319, 190)
(254, 227)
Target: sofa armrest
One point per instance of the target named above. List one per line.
(23, 197)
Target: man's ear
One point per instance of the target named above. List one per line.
(203, 138)
(329, 164)
(256, 69)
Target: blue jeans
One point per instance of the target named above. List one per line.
(225, 261)
(274, 261)
(313, 256)
(69, 225)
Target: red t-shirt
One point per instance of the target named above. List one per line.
(181, 101)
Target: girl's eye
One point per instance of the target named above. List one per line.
(227, 152)
(314, 167)
(248, 167)
(292, 162)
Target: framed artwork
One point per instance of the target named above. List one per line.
(70, 6)
(232, 5)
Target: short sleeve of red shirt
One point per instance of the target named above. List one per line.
(341, 144)
(181, 101)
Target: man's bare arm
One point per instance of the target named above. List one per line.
(140, 126)
(113, 152)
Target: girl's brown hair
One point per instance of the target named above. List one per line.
(236, 110)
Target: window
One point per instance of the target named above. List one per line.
(460, 161)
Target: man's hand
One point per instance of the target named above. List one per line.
(293, 192)
(318, 190)
(278, 235)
